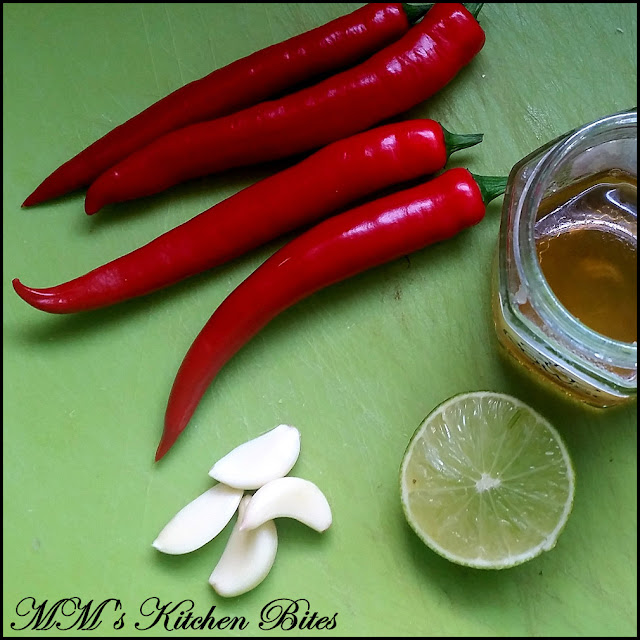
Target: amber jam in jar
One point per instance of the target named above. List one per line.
(565, 282)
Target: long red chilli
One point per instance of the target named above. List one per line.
(334, 250)
(261, 75)
(393, 80)
(323, 183)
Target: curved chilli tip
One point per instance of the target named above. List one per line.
(38, 298)
(33, 199)
(92, 203)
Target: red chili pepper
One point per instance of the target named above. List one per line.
(263, 74)
(390, 82)
(334, 250)
(327, 181)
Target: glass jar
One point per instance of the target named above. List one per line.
(532, 324)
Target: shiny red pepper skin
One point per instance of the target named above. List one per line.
(332, 178)
(333, 250)
(393, 80)
(265, 73)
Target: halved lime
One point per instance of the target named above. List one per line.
(486, 481)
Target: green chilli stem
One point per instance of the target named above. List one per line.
(456, 141)
(416, 11)
(490, 186)
(473, 8)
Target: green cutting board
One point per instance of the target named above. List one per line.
(355, 367)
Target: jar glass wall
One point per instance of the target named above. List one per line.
(580, 187)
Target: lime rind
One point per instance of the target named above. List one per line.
(484, 430)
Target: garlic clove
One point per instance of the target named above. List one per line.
(200, 521)
(288, 497)
(258, 461)
(247, 558)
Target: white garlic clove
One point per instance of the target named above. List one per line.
(288, 497)
(200, 521)
(258, 461)
(247, 558)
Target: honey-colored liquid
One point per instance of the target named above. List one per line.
(586, 240)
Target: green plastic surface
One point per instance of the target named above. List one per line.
(355, 367)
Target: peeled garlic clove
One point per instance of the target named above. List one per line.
(247, 558)
(288, 497)
(258, 461)
(200, 521)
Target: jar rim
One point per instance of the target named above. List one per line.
(581, 337)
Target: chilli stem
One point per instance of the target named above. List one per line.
(473, 8)
(490, 186)
(416, 11)
(456, 141)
